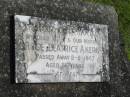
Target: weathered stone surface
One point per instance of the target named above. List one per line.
(71, 10)
(60, 51)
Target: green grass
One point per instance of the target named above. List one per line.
(123, 9)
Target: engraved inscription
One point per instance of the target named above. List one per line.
(62, 51)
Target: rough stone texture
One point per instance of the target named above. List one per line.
(64, 10)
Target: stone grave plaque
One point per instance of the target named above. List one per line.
(48, 50)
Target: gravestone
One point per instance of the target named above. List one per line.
(90, 14)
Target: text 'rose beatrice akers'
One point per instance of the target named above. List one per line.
(66, 48)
